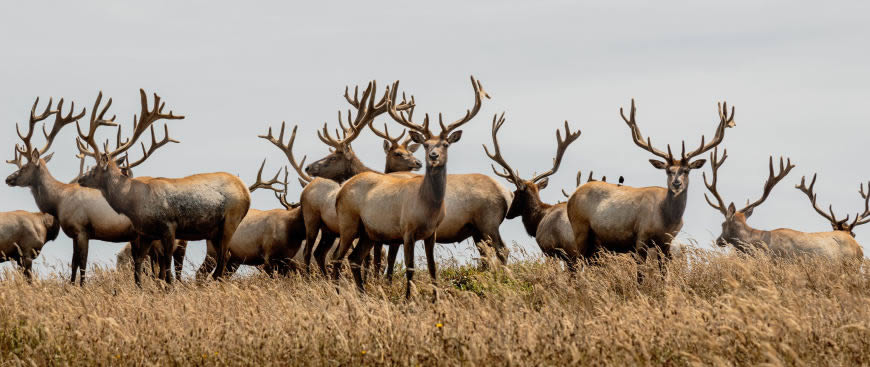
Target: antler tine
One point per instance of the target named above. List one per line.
(864, 217)
(144, 121)
(288, 150)
(364, 115)
(725, 121)
(59, 122)
(386, 133)
(637, 137)
(97, 119)
(27, 147)
(561, 146)
(82, 159)
(715, 163)
(260, 184)
(772, 180)
(812, 196)
(479, 94)
(509, 173)
(16, 157)
(154, 146)
(282, 194)
(405, 119)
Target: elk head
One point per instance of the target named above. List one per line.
(29, 159)
(400, 155)
(112, 164)
(435, 146)
(838, 224)
(734, 227)
(677, 170)
(527, 194)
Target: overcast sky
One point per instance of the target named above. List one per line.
(797, 75)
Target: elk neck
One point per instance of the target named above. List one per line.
(118, 191)
(673, 207)
(48, 191)
(434, 185)
(534, 211)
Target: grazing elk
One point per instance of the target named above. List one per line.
(22, 235)
(782, 242)
(265, 237)
(203, 206)
(547, 223)
(629, 219)
(843, 224)
(318, 196)
(391, 208)
(83, 213)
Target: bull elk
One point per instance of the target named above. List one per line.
(265, 237)
(624, 218)
(83, 213)
(22, 235)
(547, 223)
(205, 206)
(391, 208)
(782, 242)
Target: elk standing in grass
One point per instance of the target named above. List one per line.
(547, 223)
(22, 235)
(624, 218)
(199, 207)
(390, 208)
(782, 242)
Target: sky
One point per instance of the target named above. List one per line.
(796, 73)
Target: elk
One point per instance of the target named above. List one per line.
(322, 179)
(392, 208)
(22, 235)
(838, 224)
(83, 213)
(629, 219)
(198, 207)
(782, 242)
(547, 223)
(265, 237)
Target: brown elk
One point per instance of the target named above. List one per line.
(198, 207)
(391, 208)
(838, 224)
(265, 237)
(83, 213)
(624, 218)
(318, 196)
(22, 235)
(547, 223)
(782, 242)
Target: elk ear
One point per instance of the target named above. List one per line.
(387, 146)
(697, 164)
(658, 164)
(731, 210)
(542, 184)
(417, 137)
(413, 147)
(104, 161)
(34, 157)
(454, 137)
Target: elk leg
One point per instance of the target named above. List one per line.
(311, 240)
(166, 258)
(220, 243)
(82, 246)
(501, 251)
(232, 268)
(74, 264)
(349, 232)
(26, 262)
(409, 264)
(178, 258)
(378, 259)
(208, 264)
(139, 247)
(391, 262)
(357, 259)
(429, 245)
(327, 240)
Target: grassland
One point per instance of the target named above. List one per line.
(710, 309)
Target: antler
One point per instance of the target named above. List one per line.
(406, 120)
(864, 217)
(561, 146)
(579, 180)
(812, 196)
(479, 93)
(82, 170)
(304, 178)
(638, 137)
(17, 158)
(715, 163)
(60, 121)
(386, 134)
(509, 173)
(260, 184)
(772, 180)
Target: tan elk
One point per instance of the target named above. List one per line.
(205, 206)
(22, 235)
(83, 213)
(390, 208)
(624, 218)
(270, 238)
(782, 242)
(547, 223)
(318, 196)
(838, 224)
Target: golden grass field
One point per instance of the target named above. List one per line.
(710, 309)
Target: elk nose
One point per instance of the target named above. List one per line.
(433, 155)
(677, 184)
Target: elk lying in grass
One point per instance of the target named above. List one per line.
(198, 207)
(83, 213)
(782, 242)
(390, 208)
(265, 237)
(318, 196)
(22, 235)
(837, 224)
(624, 218)
(547, 223)
(124, 258)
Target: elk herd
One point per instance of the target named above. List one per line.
(351, 211)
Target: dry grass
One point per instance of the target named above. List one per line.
(710, 309)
